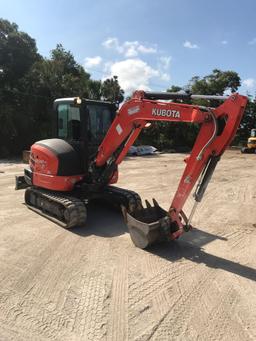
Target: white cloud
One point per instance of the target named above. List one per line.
(144, 49)
(249, 83)
(133, 74)
(165, 62)
(252, 42)
(128, 48)
(107, 66)
(189, 45)
(224, 42)
(165, 77)
(91, 62)
(111, 43)
(163, 68)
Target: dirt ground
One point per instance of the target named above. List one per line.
(93, 284)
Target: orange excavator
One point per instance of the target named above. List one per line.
(92, 139)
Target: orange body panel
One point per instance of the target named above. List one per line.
(54, 182)
(44, 165)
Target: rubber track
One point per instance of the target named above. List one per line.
(72, 211)
(73, 208)
(130, 199)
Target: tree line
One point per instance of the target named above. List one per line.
(175, 136)
(29, 83)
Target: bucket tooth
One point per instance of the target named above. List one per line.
(148, 204)
(155, 203)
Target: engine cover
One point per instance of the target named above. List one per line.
(55, 165)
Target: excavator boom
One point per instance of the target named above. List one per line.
(217, 129)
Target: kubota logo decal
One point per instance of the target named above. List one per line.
(165, 113)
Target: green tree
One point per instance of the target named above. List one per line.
(111, 90)
(181, 135)
(94, 89)
(174, 88)
(215, 83)
(48, 79)
(18, 53)
(248, 122)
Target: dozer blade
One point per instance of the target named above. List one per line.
(20, 182)
(148, 225)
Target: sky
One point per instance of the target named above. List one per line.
(148, 44)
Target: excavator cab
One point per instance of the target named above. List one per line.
(59, 163)
(83, 124)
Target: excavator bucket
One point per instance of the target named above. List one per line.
(148, 225)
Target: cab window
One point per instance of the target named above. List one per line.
(99, 121)
(68, 122)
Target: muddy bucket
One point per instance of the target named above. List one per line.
(148, 226)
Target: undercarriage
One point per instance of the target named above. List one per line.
(146, 225)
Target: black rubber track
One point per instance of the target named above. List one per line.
(64, 210)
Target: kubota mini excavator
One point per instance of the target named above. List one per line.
(81, 164)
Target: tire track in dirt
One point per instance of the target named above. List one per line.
(240, 239)
(148, 300)
(118, 309)
(163, 300)
(152, 264)
(247, 325)
(173, 323)
(141, 292)
(17, 334)
(40, 308)
(16, 317)
(86, 303)
(24, 281)
(223, 322)
(83, 315)
(205, 311)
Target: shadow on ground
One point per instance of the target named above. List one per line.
(192, 250)
(102, 220)
(106, 222)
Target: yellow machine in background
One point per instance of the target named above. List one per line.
(251, 143)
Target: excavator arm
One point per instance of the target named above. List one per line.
(217, 129)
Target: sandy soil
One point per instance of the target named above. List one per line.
(93, 284)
